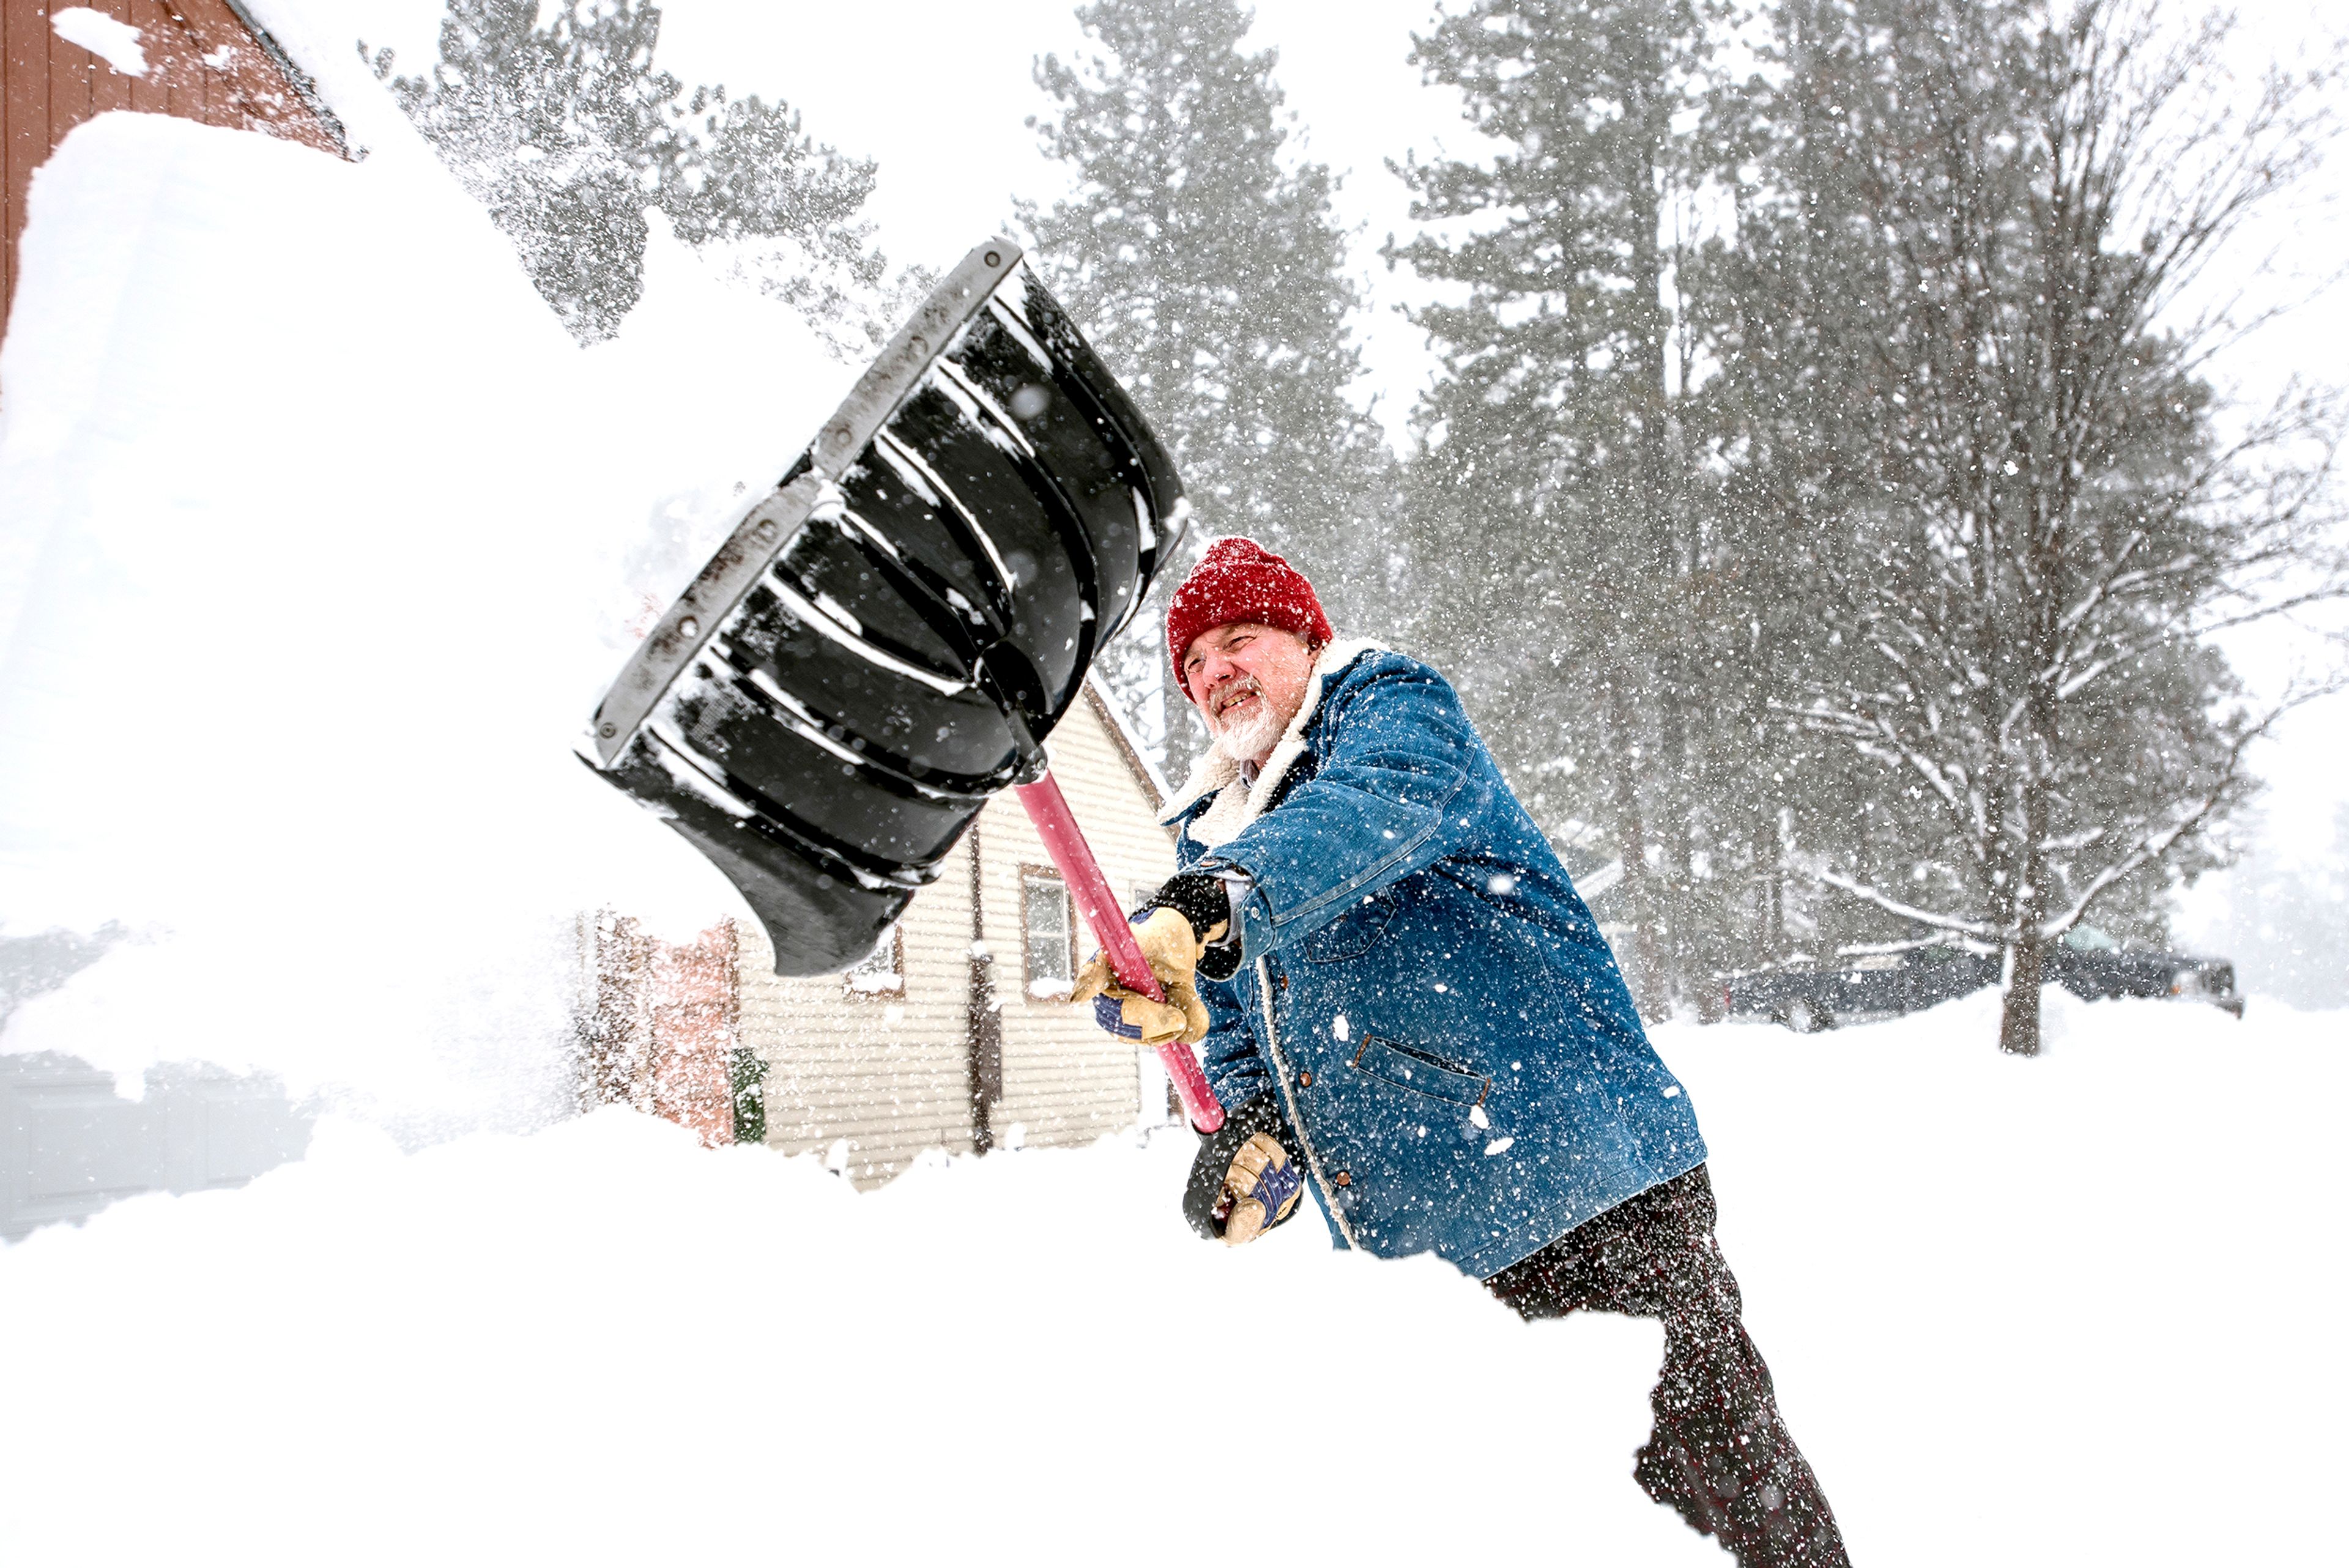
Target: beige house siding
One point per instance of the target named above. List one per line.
(886, 1075)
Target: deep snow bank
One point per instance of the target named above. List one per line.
(2083, 1309)
(603, 1343)
(318, 540)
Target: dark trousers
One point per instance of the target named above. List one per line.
(1720, 1454)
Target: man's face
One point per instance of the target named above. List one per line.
(1248, 681)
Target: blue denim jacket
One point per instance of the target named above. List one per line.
(1447, 1035)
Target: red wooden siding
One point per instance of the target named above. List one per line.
(52, 86)
(660, 1023)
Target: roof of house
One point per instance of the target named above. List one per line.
(305, 85)
(1112, 717)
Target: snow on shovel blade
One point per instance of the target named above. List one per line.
(885, 641)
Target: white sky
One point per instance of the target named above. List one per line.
(938, 92)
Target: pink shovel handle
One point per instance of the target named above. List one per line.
(1065, 842)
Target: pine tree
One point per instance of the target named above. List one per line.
(1212, 279)
(1566, 443)
(567, 133)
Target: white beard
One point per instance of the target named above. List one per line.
(1245, 739)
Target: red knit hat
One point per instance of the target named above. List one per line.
(1240, 579)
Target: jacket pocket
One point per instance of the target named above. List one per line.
(1354, 933)
(1421, 1072)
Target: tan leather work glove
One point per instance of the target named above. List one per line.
(1172, 947)
(1181, 1016)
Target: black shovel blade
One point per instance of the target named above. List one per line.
(885, 639)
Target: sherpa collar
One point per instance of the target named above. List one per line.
(1236, 803)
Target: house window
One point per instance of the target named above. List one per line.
(883, 972)
(1050, 926)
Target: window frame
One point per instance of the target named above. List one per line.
(1027, 937)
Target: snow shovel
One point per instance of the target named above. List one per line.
(883, 641)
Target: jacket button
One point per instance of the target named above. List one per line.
(1305, 1080)
(1281, 980)
(1342, 1180)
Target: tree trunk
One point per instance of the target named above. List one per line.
(2018, 1029)
(1649, 989)
(2018, 1024)
(1692, 979)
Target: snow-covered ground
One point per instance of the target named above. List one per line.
(2081, 1309)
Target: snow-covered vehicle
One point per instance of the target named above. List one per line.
(2087, 963)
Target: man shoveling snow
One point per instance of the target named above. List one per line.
(1410, 1012)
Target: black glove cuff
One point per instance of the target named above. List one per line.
(1221, 962)
(1197, 898)
(1216, 1151)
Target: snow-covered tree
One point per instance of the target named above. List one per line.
(2039, 520)
(1212, 277)
(567, 133)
